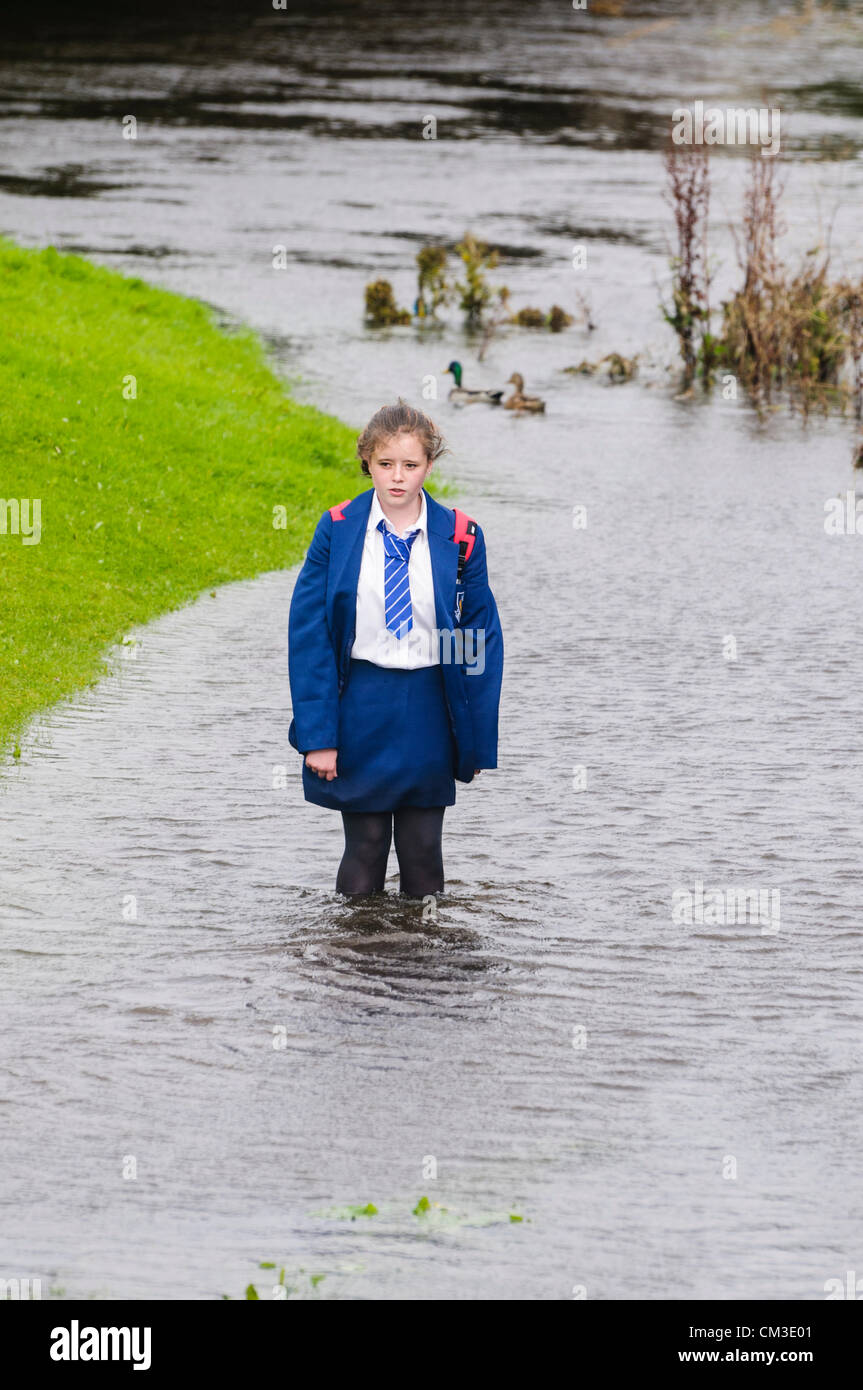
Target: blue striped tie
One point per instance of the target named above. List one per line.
(397, 589)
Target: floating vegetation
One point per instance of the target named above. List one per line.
(618, 368)
(434, 1216)
(555, 320)
(348, 1213)
(381, 308)
(303, 1285)
(529, 318)
(429, 1215)
(558, 319)
(424, 1218)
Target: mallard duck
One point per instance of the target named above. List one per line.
(460, 395)
(518, 400)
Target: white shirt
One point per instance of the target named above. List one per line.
(373, 640)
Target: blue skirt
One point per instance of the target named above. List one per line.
(396, 747)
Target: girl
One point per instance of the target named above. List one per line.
(396, 660)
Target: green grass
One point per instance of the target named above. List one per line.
(145, 502)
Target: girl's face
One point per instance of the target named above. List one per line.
(399, 467)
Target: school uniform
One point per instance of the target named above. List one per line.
(409, 711)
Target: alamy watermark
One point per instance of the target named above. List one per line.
(15, 1290)
(725, 906)
(735, 125)
(77, 1343)
(22, 518)
(454, 646)
(850, 1287)
(844, 517)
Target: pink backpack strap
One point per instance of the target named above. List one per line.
(465, 536)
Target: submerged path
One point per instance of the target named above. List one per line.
(675, 1110)
(181, 985)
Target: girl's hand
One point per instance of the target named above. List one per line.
(323, 762)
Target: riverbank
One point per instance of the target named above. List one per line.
(146, 454)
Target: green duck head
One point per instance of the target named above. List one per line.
(455, 369)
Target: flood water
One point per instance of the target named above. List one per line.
(673, 1109)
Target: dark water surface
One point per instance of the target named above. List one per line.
(180, 982)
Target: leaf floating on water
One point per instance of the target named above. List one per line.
(346, 1213)
(435, 1212)
(442, 1218)
(266, 1264)
(434, 1216)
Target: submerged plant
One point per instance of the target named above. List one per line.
(558, 319)
(475, 292)
(785, 329)
(688, 192)
(555, 320)
(433, 288)
(585, 311)
(618, 368)
(529, 318)
(381, 308)
(484, 305)
(495, 320)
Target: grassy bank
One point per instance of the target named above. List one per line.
(144, 501)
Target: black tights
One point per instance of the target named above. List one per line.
(418, 831)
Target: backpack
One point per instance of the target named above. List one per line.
(465, 533)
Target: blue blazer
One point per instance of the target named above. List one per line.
(322, 627)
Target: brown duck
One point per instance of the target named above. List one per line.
(518, 400)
